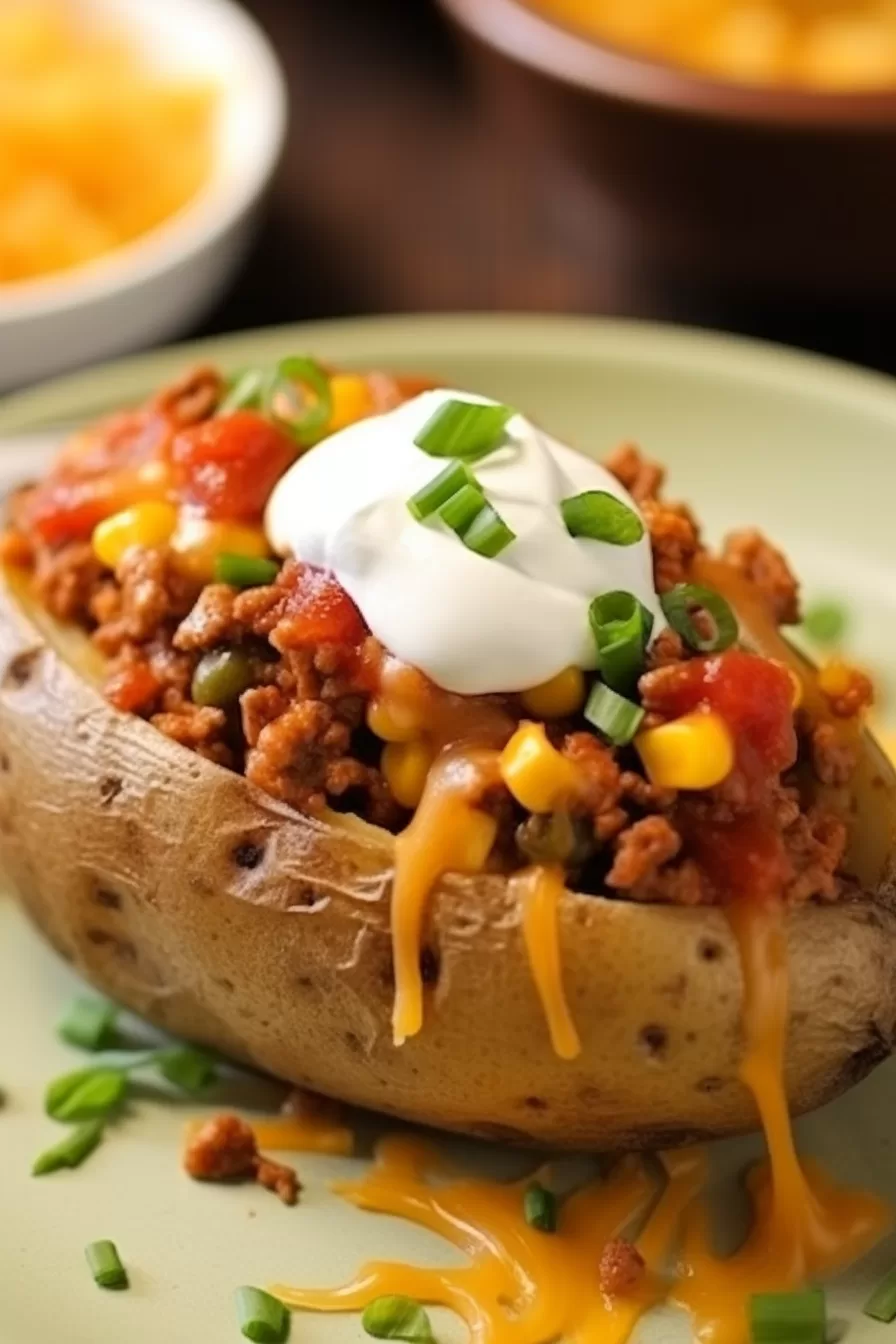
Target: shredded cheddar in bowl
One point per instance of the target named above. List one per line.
(837, 45)
(96, 147)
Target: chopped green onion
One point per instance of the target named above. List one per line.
(189, 1069)
(679, 606)
(540, 1208)
(488, 534)
(85, 1095)
(396, 1317)
(305, 420)
(881, 1305)
(621, 626)
(431, 498)
(602, 517)
(463, 506)
(90, 1024)
(614, 717)
(275, 392)
(466, 429)
(263, 1318)
(826, 622)
(221, 677)
(245, 571)
(245, 392)
(72, 1151)
(105, 1265)
(788, 1318)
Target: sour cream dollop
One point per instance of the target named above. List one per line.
(473, 625)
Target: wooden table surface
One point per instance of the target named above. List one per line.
(393, 196)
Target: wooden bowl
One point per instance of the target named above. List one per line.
(766, 191)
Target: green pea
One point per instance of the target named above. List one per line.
(221, 677)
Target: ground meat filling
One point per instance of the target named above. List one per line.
(298, 729)
(225, 1149)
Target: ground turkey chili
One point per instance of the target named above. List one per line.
(268, 668)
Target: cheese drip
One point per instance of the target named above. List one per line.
(521, 1286)
(539, 891)
(804, 1225)
(525, 1287)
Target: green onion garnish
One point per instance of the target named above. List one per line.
(826, 622)
(788, 1318)
(466, 429)
(622, 627)
(189, 1069)
(85, 1095)
(245, 571)
(276, 393)
(488, 534)
(679, 606)
(463, 506)
(540, 1208)
(245, 391)
(105, 1265)
(72, 1151)
(614, 717)
(448, 482)
(602, 517)
(263, 1318)
(90, 1024)
(396, 1317)
(881, 1305)
(305, 419)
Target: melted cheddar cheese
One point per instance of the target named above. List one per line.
(522, 1286)
(539, 891)
(447, 835)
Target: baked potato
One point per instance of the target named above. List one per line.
(224, 915)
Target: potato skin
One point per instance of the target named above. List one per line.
(227, 918)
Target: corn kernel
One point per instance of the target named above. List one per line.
(351, 400)
(392, 721)
(148, 524)
(835, 678)
(406, 766)
(555, 699)
(693, 752)
(539, 778)
(198, 542)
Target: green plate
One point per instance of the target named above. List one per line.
(752, 434)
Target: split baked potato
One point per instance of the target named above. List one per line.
(223, 916)
(261, 922)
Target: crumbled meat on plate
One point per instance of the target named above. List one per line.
(621, 1268)
(224, 1149)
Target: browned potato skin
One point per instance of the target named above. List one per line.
(227, 918)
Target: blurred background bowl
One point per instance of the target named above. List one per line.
(162, 283)
(751, 192)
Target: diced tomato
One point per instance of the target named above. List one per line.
(227, 467)
(743, 857)
(319, 611)
(752, 694)
(133, 688)
(66, 508)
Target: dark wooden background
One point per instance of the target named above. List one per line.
(393, 196)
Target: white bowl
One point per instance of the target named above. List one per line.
(160, 284)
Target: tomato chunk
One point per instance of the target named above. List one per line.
(132, 688)
(318, 610)
(227, 467)
(752, 694)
